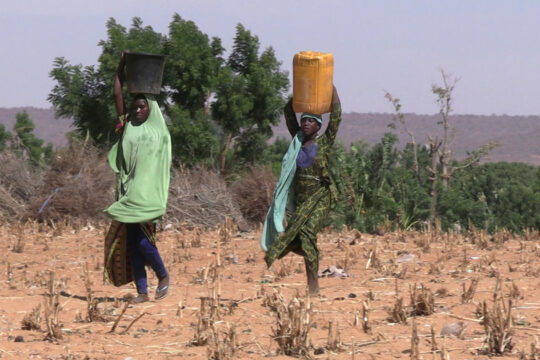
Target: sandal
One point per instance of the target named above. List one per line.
(140, 299)
(163, 288)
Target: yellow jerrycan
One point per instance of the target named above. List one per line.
(313, 74)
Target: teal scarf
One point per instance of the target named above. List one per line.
(142, 163)
(273, 225)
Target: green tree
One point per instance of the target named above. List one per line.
(506, 192)
(5, 136)
(86, 93)
(193, 63)
(191, 71)
(250, 96)
(27, 144)
(215, 109)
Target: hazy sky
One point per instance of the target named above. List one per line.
(492, 46)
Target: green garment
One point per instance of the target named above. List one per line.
(273, 223)
(142, 163)
(312, 197)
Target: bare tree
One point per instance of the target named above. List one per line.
(445, 100)
(400, 117)
(444, 95)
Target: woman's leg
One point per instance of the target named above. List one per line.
(137, 258)
(308, 242)
(148, 251)
(310, 253)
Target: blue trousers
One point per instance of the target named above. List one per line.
(143, 253)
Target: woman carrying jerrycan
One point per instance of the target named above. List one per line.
(304, 182)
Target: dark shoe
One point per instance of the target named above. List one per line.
(163, 287)
(140, 299)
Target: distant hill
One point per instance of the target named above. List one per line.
(47, 127)
(518, 136)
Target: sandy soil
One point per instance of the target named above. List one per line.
(379, 266)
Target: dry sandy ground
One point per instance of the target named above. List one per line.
(378, 267)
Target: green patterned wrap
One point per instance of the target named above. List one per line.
(312, 197)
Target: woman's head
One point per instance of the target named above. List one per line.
(140, 109)
(310, 124)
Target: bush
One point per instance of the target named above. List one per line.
(253, 192)
(200, 197)
(18, 183)
(77, 187)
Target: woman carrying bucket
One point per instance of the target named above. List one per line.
(304, 179)
(141, 160)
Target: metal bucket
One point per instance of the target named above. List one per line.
(144, 72)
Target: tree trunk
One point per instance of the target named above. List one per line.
(223, 154)
(433, 177)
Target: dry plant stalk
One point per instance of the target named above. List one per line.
(223, 348)
(434, 347)
(51, 311)
(32, 321)
(286, 268)
(271, 301)
(179, 309)
(350, 258)
(19, 245)
(227, 230)
(196, 243)
(93, 313)
(468, 293)
(293, 322)
(497, 290)
(397, 314)
(498, 327)
(120, 316)
(366, 324)
(333, 342)
(444, 353)
(422, 302)
(373, 260)
(414, 341)
(423, 242)
(133, 322)
(9, 272)
(514, 293)
(208, 314)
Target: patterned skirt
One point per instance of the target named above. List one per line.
(300, 236)
(117, 267)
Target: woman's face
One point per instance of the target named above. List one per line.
(309, 126)
(140, 110)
